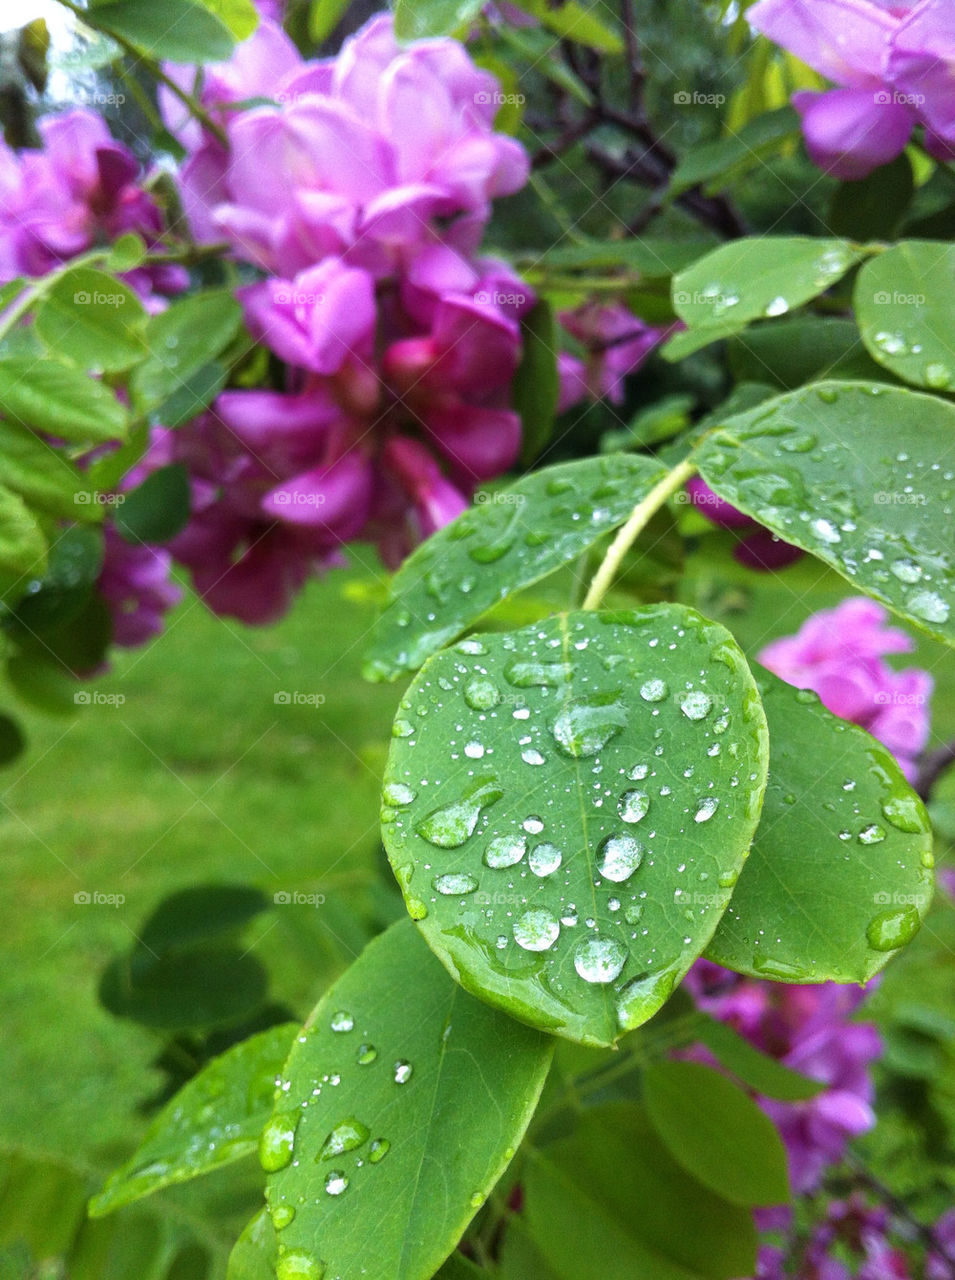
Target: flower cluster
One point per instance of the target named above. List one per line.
(80, 190)
(839, 654)
(362, 193)
(893, 61)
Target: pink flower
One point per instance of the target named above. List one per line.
(839, 654)
(135, 584)
(616, 343)
(894, 64)
(758, 548)
(380, 150)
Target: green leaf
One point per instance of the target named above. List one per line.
(196, 393)
(419, 19)
(157, 509)
(804, 349)
(904, 300)
(176, 30)
(611, 1203)
(59, 594)
(192, 989)
(652, 256)
(22, 543)
(182, 340)
(573, 21)
(752, 279)
(873, 208)
(736, 153)
(536, 387)
(565, 814)
(716, 1133)
(240, 16)
(214, 1119)
(46, 395)
(12, 741)
(126, 253)
(93, 321)
(403, 1101)
(44, 477)
(536, 48)
(201, 913)
(509, 541)
(755, 1069)
(42, 683)
(323, 18)
(255, 1253)
(840, 873)
(850, 472)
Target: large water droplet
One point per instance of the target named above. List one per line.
(706, 808)
(454, 884)
(633, 805)
(346, 1136)
(367, 1053)
(277, 1141)
(450, 826)
(336, 1183)
(583, 728)
(929, 606)
(906, 813)
(342, 1021)
(529, 675)
(378, 1150)
(654, 690)
(536, 930)
(282, 1215)
(599, 959)
(505, 851)
(481, 695)
(403, 1071)
(397, 794)
(872, 834)
(618, 857)
(297, 1265)
(892, 929)
(696, 705)
(545, 859)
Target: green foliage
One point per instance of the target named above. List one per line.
(178, 30)
(904, 299)
(576, 905)
(403, 1100)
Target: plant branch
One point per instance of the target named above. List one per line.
(642, 514)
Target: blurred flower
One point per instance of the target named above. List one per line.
(135, 583)
(616, 343)
(808, 1029)
(839, 654)
(894, 63)
(757, 548)
(82, 189)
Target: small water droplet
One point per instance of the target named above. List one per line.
(335, 1183)
(481, 695)
(346, 1136)
(633, 806)
(654, 690)
(378, 1150)
(277, 1141)
(342, 1021)
(454, 884)
(403, 1071)
(872, 834)
(397, 794)
(706, 808)
(696, 705)
(367, 1053)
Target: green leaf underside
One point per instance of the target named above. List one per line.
(43, 476)
(716, 1132)
(516, 537)
(22, 544)
(763, 1074)
(611, 1203)
(851, 473)
(628, 748)
(401, 1105)
(754, 279)
(45, 395)
(92, 320)
(904, 301)
(177, 30)
(840, 873)
(214, 1119)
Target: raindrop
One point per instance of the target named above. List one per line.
(505, 851)
(654, 690)
(451, 826)
(532, 756)
(892, 929)
(346, 1136)
(378, 1150)
(873, 834)
(282, 1215)
(584, 728)
(706, 808)
(778, 307)
(481, 695)
(600, 959)
(342, 1021)
(696, 705)
(397, 794)
(296, 1265)
(906, 571)
(545, 859)
(906, 813)
(336, 1183)
(367, 1053)
(929, 606)
(618, 857)
(533, 825)
(277, 1141)
(633, 805)
(403, 1071)
(536, 930)
(454, 884)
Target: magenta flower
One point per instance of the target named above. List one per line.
(808, 1029)
(616, 343)
(894, 64)
(839, 654)
(377, 152)
(756, 548)
(135, 583)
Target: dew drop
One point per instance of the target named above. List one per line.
(342, 1021)
(929, 606)
(403, 1071)
(696, 705)
(584, 728)
(633, 805)
(906, 813)
(346, 1136)
(599, 960)
(397, 794)
(451, 826)
(336, 1183)
(545, 859)
(706, 808)
(536, 930)
(892, 929)
(505, 851)
(481, 695)
(454, 884)
(367, 1053)
(872, 834)
(277, 1141)
(378, 1150)
(618, 857)
(654, 690)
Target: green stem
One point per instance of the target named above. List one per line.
(642, 514)
(92, 18)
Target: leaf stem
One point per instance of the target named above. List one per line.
(642, 514)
